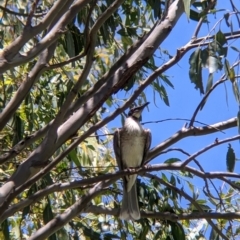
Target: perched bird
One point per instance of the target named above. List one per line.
(131, 145)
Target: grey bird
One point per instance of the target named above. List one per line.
(131, 145)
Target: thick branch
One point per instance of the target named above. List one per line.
(59, 221)
(11, 50)
(11, 58)
(193, 131)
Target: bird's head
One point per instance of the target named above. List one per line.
(137, 111)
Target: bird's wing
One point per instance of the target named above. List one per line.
(117, 148)
(147, 144)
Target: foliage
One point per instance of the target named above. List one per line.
(67, 69)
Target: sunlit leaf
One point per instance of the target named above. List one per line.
(236, 91)
(186, 4)
(229, 72)
(210, 82)
(164, 177)
(191, 186)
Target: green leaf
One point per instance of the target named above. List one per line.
(73, 157)
(226, 17)
(47, 213)
(231, 158)
(236, 91)
(26, 211)
(177, 231)
(235, 49)
(190, 186)
(214, 235)
(110, 236)
(238, 121)
(222, 51)
(78, 39)
(210, 82)
(220, 37)
(164, 177)
(186, 4)
(229, 72)
(158, 235)
(194, 15)
(5, 229)
(204, 207)
(89, 231)
(162, 92)
(166, 80)
(172, 160)
(173, 180)
(157, 9)
(195, 71)
(70, 45)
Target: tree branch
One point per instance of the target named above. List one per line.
(204, 99)
(167, 215)
(193, 131)
(59, 221)
(178, 166)
(11, 50)
(216, 143)
(190, 199)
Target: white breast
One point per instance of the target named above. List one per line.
(133, 143)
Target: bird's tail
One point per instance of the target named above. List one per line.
(130, 209)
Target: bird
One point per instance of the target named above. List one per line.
(131, 144)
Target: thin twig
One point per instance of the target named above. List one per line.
(236, 10)
(31, 13)
(190, 199)
(182, 119)
(205, 11)
(20, 14)
(216, 143)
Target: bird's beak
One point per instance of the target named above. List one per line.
(144, 105)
